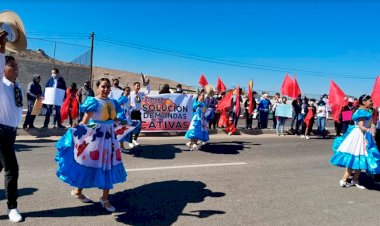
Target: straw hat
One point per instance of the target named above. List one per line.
(209, 90)
(13, 20)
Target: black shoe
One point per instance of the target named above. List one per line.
(45, 127)
(61, 127)
(24, 127)
(32, 127)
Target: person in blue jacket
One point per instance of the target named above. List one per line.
(58, 82)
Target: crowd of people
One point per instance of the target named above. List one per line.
(89, 153)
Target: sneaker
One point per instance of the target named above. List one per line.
(307, 137)
(188, 144)
(203, 143)
(61, 127)
(131, 145)
(356, 183)
(302, 136)
(282, 135)
(14, 215)
(135, 143)
(344, 184)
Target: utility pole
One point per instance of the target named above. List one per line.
(55, 48)
(91, 56)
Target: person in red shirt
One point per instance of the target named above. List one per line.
(230, 129)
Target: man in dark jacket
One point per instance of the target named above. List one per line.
(34, 92)
(58, 82)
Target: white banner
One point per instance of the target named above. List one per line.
(54, 96)
(166, 112)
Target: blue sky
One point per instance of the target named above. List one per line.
(317, 40)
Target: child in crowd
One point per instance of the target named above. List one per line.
(308, 122)
(198, 126)
(280, 119)
(125, 117)
(230, 129)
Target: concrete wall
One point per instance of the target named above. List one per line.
(70, 72)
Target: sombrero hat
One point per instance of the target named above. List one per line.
(11, 23)
(209, 90)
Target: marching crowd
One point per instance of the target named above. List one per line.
(89, 153)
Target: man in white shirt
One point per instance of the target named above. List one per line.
(116, 90)
(10, 116)
(136, 98)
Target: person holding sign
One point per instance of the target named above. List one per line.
(54, 94)
(282, 112)
(347, 112)
(33, 93)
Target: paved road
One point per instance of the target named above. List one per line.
(238, 180)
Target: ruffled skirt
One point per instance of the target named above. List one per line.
(356, 150)
(90, 157)
(198, 129)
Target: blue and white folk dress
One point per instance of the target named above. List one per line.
(357, 149)
(89, 156)
(198, 127)
(133, 126)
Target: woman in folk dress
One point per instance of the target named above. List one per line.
(356, 150)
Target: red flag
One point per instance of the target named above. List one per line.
(287, 86)
(203, 81)
(220, 85)
(296, 88)
(250, 97)
(225, 102)
(337, 99)
(376, 93)
(237, 104)
(223, 105)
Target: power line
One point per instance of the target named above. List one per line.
(226, 62)
(47, 40)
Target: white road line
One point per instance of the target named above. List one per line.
(186, 166)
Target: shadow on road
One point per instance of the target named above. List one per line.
(162, 151)
(36, 141)
(24, 147)
(159, 203)
(226, 148)
(21, 192)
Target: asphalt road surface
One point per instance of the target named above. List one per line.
(232, 180)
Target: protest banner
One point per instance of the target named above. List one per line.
(166, 113)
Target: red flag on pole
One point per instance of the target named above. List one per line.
(223, 105)
(250, 97)
(337, 99)
(376, 93)
(296, 88)
(287, 86)
(220, 85)
(237, 104)
(203, 81)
